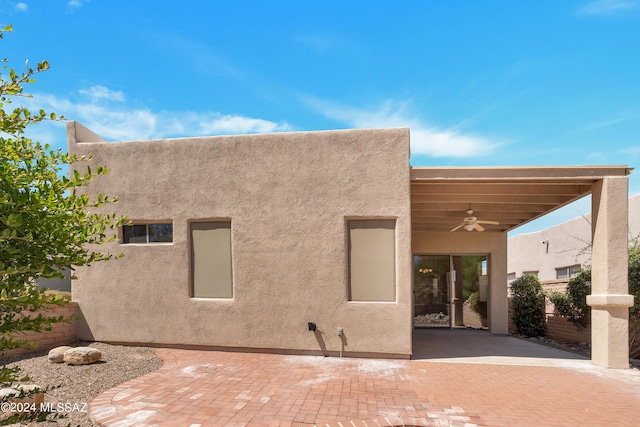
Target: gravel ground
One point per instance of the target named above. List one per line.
(80, 384)
(580, 349)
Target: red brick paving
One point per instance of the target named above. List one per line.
(211, 388)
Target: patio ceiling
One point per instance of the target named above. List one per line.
(512, 196)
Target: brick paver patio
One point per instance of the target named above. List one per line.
(212, 388)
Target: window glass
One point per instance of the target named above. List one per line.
(147, 233)
(160, 233)
(562, 273)
(135, 234)
(568, 272)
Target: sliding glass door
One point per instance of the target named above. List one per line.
(450, 290)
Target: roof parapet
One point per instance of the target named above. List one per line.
(77, 134)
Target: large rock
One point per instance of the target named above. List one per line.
(56, 355)
(82, 356)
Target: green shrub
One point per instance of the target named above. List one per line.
(526, 305)
(634, 289)
(474, 302)
(634, 276)
(573, 303)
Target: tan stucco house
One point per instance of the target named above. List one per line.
(309, 242)
(561, 251)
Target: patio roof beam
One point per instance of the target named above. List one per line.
(487, 207)
(479, 198)
(495, 189)
(515, 216)
(553, 173)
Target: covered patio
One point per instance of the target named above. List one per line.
(484, 203)
(464, 345)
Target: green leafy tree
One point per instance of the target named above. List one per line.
(527, 302)
(46, 223)
(573, 303)
(470, 277)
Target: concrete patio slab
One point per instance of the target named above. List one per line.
(213, 388)
(478, 346)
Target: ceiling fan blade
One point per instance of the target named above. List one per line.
(457, 227)
(478, 227)
(488, 222)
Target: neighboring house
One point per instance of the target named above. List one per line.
(559, 252)
(57, 284)
(308, 242)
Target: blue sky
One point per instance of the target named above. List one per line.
(479, 83)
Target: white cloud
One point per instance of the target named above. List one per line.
(97, 93)
(105, 112)
(216, 123)
(75, 4)
(426, 139)
(21, 7)
(608, 7)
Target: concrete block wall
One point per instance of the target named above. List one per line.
(557, 327)
(560, 329)
(62, 334)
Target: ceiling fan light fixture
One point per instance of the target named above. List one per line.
(471, 223)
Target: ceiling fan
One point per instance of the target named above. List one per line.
(471, 223)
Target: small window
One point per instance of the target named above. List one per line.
(568, 272)
(372, 260)
(147, 233)
(510, 278)
(530, 273)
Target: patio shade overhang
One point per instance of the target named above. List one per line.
(512, 196)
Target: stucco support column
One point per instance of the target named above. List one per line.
(610, 299)
(498, 309)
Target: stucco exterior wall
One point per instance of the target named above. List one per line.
(288, 197)
(566, 244)
(634, 215)
(473, 243)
